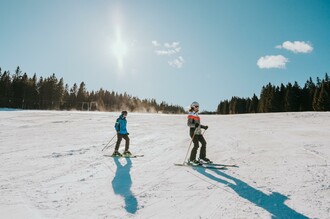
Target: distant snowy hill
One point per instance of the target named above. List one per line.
(52, 166)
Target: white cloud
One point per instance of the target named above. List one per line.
(278, 61)
(155, 43)
(172, 45)
(296, 46)
(169, 49)
(177, 63)
(168, 52)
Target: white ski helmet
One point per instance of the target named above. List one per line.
(193, 104)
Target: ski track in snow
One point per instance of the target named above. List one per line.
(52, 166)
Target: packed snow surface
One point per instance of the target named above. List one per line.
(53, 166)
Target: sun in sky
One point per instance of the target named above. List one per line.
(119, 49)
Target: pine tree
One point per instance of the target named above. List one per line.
(254, 104)
(316, 106)
(262, 101)
(32, 94)
(73, 96)
(6, 90)
(323, 101)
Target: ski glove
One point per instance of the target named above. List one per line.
(204, 127)
(196, 125)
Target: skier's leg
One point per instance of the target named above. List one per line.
(195, 148)
(126, 142)
(202, 153)
(119, 138)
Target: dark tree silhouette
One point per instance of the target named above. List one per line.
(20, 91)
(284, 98)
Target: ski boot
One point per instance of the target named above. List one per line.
(194, 162)
(116, 154)
(127, 153)
(205, 160)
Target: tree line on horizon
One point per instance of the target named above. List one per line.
(50, 93)
(283, 98)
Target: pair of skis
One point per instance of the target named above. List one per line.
(125, 156)
(217, 166)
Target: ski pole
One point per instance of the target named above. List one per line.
(192, 139)
(111, 145)
(109, 142)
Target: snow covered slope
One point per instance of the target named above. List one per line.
(52, 166)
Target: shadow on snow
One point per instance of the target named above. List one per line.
(122, 183)
(273, 203)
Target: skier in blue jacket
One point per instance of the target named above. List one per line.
(121, 129)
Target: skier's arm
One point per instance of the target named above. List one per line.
(117, 125)
(191, 123)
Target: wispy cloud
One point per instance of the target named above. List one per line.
(172, 45)
(169, 49)
(177, 63)
(155, 43)
(296, 46)
(272, 61)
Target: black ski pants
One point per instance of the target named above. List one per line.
(119, 138)
(196, 140)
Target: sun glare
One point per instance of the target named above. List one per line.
(119, 49)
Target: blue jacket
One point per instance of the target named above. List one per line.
(120, 125)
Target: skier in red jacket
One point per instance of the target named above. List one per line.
(196, 135)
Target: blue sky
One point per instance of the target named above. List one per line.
(173, 51)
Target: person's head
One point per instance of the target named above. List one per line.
(124, 113)
(194, 106)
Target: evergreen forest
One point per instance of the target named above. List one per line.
(18, 90)
(314, 96)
